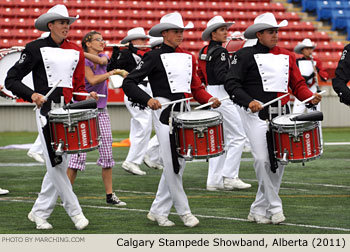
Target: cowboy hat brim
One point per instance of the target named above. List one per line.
(250, 32)
(44, 19)
(156, 31)
(132, 37)
(299, 47)
(213, 27)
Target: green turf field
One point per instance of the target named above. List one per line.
(316, 197)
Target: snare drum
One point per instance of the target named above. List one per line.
(295, 141)
(8, 57)
(74, 131)
(199, 134)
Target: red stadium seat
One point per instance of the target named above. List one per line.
(4, 43)
(5, 22)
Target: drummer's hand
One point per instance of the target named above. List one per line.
(316, 99)
(93, 95)
(216, 102)
(121, 72)
(1, 87)
(154, 104)
(38, 99)
(255, 106)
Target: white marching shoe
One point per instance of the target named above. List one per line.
(152, 164)
(236, 183)
(80, 221)
(132, 168)
(214, 188)
(40, 222)
(278, 218)
(4, 191)
(162, 221)
(260, 219)
(189, 220)
(36, 156)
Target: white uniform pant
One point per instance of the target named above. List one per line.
(227, 165)
(36, 146)
(153, 150)
(55, 183)
(300, 108)
(140, 129)
(170, 190)
(267, 201)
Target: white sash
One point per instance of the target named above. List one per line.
(59, 65)
(178, 68)
(274, 71)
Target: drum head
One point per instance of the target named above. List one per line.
(61, 111)
(285, 120)
(198, 115)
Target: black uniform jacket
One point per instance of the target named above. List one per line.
(31, 60)
(122, 60)
(151, 65)
(218, 65)
(342, 76)
(244, 82)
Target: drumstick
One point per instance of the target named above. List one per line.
(274, 100)
(270, 102)
(48, 93)
(310, 98)
(127, 44)
(176, 101)
(210, 103)
(86, 94)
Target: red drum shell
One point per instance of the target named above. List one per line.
(201, 132)
(81, 136)
(301, 140)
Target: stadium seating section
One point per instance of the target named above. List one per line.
(113, 18)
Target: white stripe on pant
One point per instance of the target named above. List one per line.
(267, 201)
(55, 183)
(170, 189)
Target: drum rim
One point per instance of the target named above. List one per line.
(217, 116)
(291, 123)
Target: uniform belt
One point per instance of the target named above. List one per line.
(102, 109)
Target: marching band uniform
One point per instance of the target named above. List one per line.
(141, 120)
(307, 71)
(152, 157)
(49, 63)
(342, 76)
(213, 66)
(260, 73)
(171, 73)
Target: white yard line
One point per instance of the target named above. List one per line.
(198, 215)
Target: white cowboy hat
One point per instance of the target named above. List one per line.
(155, 41)
(263, 22)
(305, 43)
(169, 21)
(213, 24)
(59, 11)
(135, 33)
